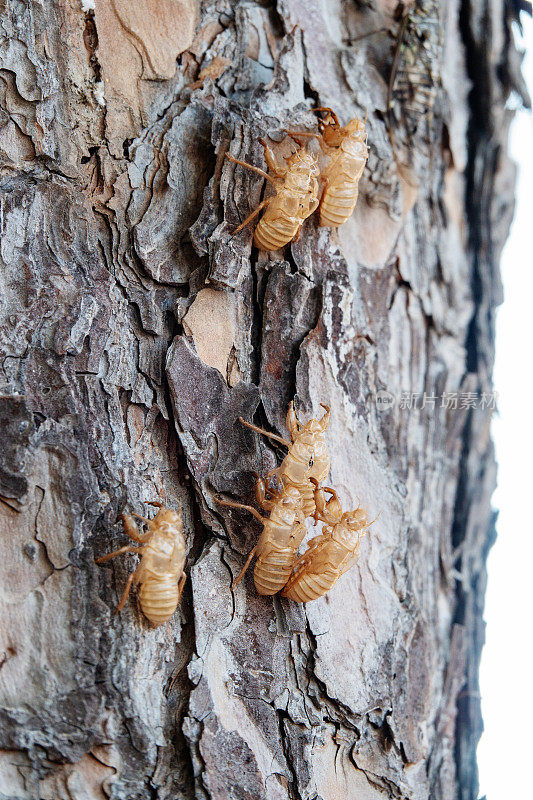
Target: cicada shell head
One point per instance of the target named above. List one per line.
(167, 520)
(168, 515)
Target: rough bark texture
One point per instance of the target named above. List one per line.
(135, 330)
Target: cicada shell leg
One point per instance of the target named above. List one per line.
(251, 167)
(330, 111)
(292, 422)
(130, 528)
(125, 593)
(279, 170)
(181, 584)
(241, 574)
(252, 216)
(126, 549)
(232, 504)
(261, 490)
(270, 435)
(324, 422)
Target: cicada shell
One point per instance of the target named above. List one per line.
(348, 153)
(307, 458)
(296, 184)
(160, 574)
(331, 553)
(414, 82)
(282, 535)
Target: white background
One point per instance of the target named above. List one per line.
(505, 754)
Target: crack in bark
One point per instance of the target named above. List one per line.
(294, 792)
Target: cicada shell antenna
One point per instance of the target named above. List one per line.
(375, 518)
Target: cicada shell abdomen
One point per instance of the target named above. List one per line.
(274, 563)
(159, 597)
(273, 234)
(277, 227)
(320, 567)
(315, 571)
(308, 502)
(295, 471)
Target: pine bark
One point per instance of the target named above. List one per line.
(136, 329)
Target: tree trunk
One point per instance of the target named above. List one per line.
(136, 330)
